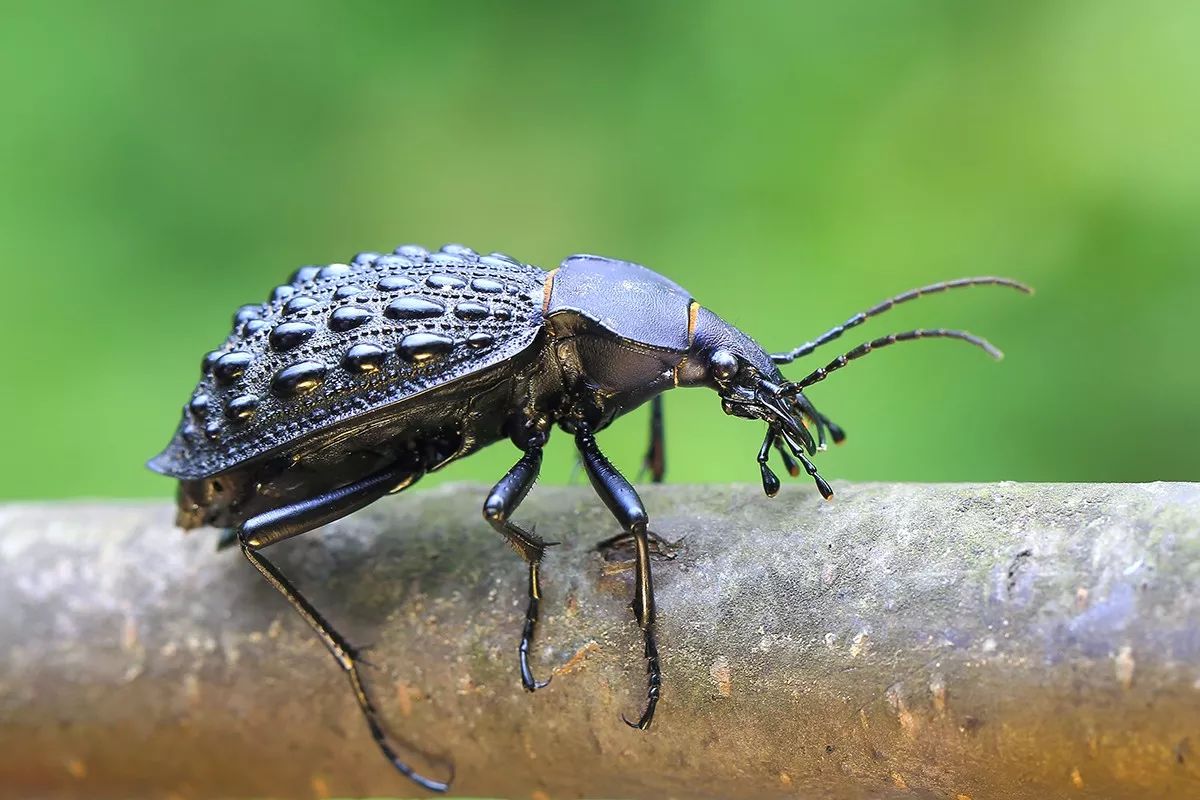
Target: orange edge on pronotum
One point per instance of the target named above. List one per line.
(693, 312)
(546, 287)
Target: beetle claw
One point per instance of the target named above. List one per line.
(532, 685)
(643, 722)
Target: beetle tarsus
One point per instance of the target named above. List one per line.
(530, 683)
(654, 675)
(381, 739)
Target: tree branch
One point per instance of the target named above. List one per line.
(1005, 640)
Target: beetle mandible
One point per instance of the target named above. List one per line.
(354, 380)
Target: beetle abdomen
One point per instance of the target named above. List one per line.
(343, 340)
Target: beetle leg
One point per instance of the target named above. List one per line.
(499, 506)
(655, 460)
(292, 520)
(623, 501)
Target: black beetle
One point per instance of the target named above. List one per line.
(354, 380)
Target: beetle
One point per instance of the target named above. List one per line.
(354, 380)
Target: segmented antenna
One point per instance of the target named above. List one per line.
(876, 310)
(822, 373)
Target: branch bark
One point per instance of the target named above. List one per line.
(1002, 640)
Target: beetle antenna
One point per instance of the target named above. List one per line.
(876, 310)
(822, 373)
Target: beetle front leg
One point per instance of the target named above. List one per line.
(499, 506)
(282, 523)
(623, 501)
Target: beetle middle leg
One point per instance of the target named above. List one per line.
(282, 523)
(501, 502)
(623, 501)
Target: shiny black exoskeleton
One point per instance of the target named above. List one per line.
(354, 380)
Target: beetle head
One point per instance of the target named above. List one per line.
(728, 361)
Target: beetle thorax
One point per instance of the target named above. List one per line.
(718, 352)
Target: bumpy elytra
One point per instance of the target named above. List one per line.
(353, 380)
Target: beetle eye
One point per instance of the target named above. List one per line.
(723, 366)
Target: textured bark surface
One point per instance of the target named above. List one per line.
(948, 641)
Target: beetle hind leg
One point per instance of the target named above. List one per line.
(501, 503)
(283, 523)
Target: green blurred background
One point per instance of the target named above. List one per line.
(790, 163)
